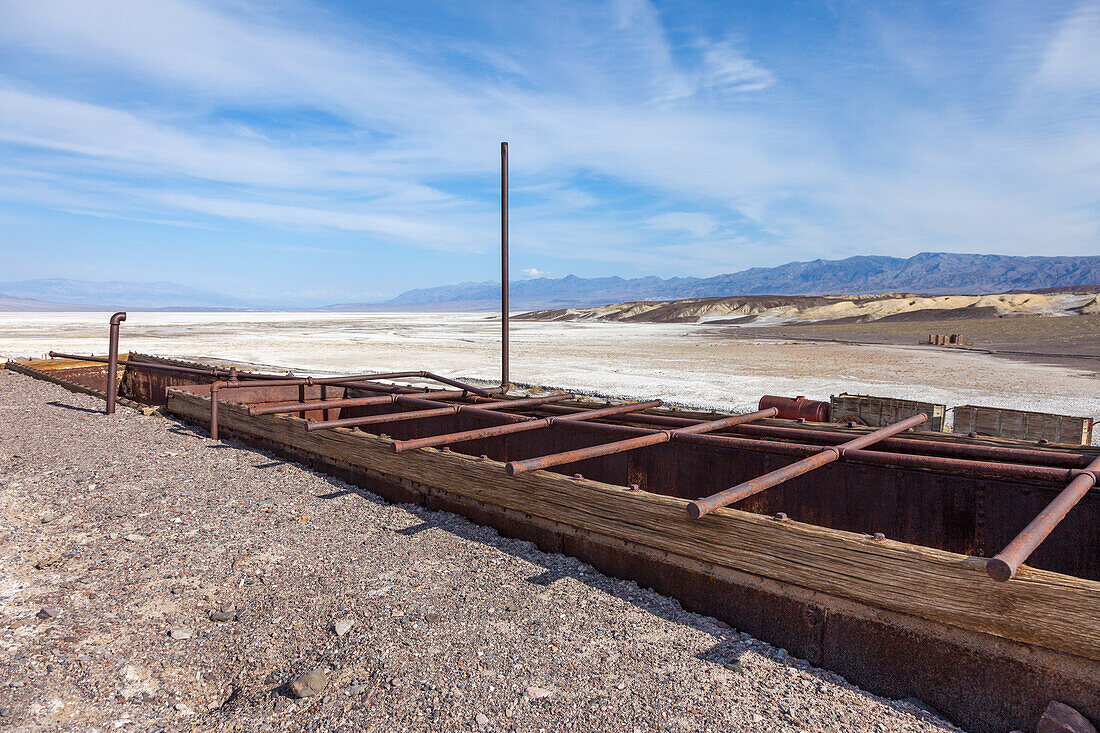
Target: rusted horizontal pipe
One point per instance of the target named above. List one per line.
(932, 447)
(288, 407)
(703, 506)
(988, 469)
(1005, 563)
(401, 446)
(621, 446)
(438, 409)
(362, 380)
(278, 380)
(304, 382)
(460, 385)
(219, 385)
(389, 417)
(141, 364)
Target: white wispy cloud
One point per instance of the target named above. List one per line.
(694, 223)
(1072, 60)
(726, 67)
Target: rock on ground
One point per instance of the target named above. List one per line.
(457, 628)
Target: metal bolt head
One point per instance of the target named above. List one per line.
(578, 476)
(446, 449)
(632, 487)
(483, 457)
(781, 517)
(878, 537)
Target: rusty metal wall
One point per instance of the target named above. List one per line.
(149, 387)
(964, 514)
(92, 377)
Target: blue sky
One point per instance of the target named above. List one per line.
(304, 153)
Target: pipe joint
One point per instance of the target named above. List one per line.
(118, 318)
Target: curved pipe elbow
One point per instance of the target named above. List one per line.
(118, 318)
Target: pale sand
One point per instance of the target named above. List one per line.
(773, 310)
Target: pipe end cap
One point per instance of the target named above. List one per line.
(999, 570)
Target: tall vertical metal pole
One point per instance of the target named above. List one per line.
(504, 266)
(112, 362)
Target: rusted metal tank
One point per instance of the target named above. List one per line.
(796, 408)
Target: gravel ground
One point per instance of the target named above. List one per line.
(152, 579)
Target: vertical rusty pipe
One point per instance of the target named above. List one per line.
(504, 382)
(302, 399)
(214, 408)
(1003, 565)
(112, 363)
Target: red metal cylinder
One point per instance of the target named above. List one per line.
(796, 408)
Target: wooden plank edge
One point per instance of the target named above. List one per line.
(21, 368)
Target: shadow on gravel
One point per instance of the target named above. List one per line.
(728, 644)
(186, 430)
(56, 403)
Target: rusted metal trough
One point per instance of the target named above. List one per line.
(893, 557)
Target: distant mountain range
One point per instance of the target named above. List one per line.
(55, 294)
(29, 305)
(926, 273)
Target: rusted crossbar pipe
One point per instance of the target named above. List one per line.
(945, 449)
(361, 380)
(141, 364)
(438, 409)
(386, 390)
(460, 385)
(401, 446)
(287, 407)
(1004, 564)
(991, 469)
(283, 380)
(621, 446)
(265, 380)
(702, 507)
(112, 362)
